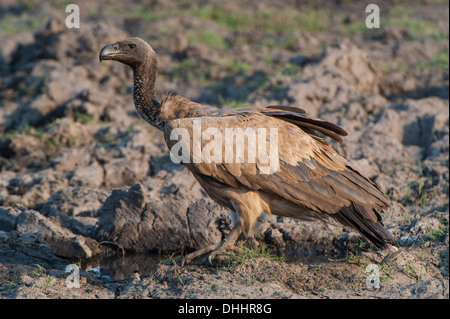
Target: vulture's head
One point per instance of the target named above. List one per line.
(133, 52)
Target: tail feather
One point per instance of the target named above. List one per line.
(355, 216)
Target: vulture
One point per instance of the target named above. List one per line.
(306, 179)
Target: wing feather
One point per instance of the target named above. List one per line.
(298, 117)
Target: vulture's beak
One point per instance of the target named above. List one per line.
(109, 52)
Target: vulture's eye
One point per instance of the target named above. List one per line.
(131, 45)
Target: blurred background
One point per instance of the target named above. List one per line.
(233, 52)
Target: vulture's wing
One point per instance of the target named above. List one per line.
(310, 172)
(307, 171)
(298, 117)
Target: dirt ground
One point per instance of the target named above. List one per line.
(85, 181)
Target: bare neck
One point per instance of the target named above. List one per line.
(144, 93)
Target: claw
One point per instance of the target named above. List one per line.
(210, 258)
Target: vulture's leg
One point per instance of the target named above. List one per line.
(214, 250)
(256, 229)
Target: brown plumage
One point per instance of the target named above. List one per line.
(311, 180)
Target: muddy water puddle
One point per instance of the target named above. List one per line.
(119, 266)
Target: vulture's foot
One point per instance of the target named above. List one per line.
(189, 257)
(216, 249)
